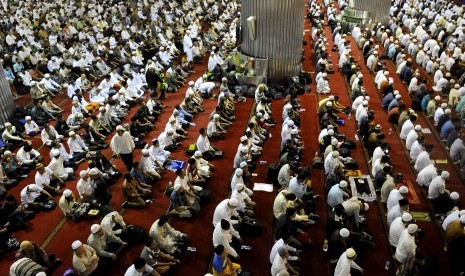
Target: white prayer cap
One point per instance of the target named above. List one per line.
(172, 119)
(145, 151)
(244, 150)
(101, 109)
(170, 131)
(398, 96)
(437, 98)
(366, 206)
(454, 196)
(71, 133)
(412, 228)
(294, 131)
(7, 124)
(76, 244)
(55, 152)
(233, 202)
(445, 174)
(191, 83)
(462, 220)
(447, 111)
(47, 76)
(67, 192)
(204, 76)
(94, 228)
(350, 253)
(239, 172)
(406, 217)
(290, 123)
(391, 81)
(331, 98)
(328, 103)
(28, 118)
(367, 98)
(243, 164)
(343, 184)
(403, 190)
(239, 187)
(243, 138)
(344, 232)
(7, 152)
(331, 132)
(94, 171)
(365, 103)
(83, 173)
(417, 127)
(457, 86)
(386, 73)
(120, 128)
(444, 105)
(448, 75)
(334, 141)
(335, 154)
(375, 52)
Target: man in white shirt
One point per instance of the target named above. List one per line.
(222, 235)
(27, 157)
(33, 197)
(76, 145)
(397, 227)
(407, 246)
(123, 146)
(346, 263)
(166, 236)
(140, 268)
(280, 264)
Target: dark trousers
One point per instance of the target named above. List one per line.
(127, 159)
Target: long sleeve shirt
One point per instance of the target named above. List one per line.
(122, 144)
(76, 144)
(223, 237)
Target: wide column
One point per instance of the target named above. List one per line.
(273, 29)
(7, 103)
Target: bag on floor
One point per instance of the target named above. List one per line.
(191, 149)
(195, 209)
(205, 197)
(272, 173)
(317, 162)
(136, 234)
(218, 154)
(351, 144)
(251, 227)
(344, 152)
(277, 95)
(351, 164)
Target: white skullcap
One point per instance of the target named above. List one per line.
(447, 75)
(445, 174)
(101, 109)
(224, 79)
(412, 228)
(366, 206)
(290, 123)
(170, 131)
(94, 171)
(331, 132)
(447, 111)
(417, 127)
(71, 133)
(55, 152)
(454, 196)
(391, 80)
(47, 76)
(331, 98)
(244, 150)
(259, 114)
(335, 154)
(67, 192)
(204, 76)
(239, 187)
(329, 103)
(191, 83)
(216, 116)
(365, 103)
(457, 86)
(28, 118)
(145, 151)
(294, 131)
(94, 228)
(403, 190)
(7, 124)
(76, 244)
(172, 119)
(343, 183)
(334, 141)
(41, 273)
(375, 52)
(367, 98)
(444, 105)
(233, 202)
(119, 128)
(406, 217)
(243, 138)
(344, 232)
(197, 153)
(398, 97)
(83, 173)
(350, 253)
(243, 164)
(386, 73)
(239, 172)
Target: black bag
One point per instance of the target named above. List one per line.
(205, 197)
(344, 152)
(218, 154)
(350, 144)
(351, 164)
(195, 209)
(250, 92)
(317, 162)
(50, 205)
(272, 172)
(251, 227)
(136, 234)
(277, 96)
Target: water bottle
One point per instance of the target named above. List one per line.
(387, 265)
(390, 131)
(316, 153)
(325, 246)
(356, 137)
(350, 115)
(269, 136)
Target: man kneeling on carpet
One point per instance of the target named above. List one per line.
(106, 245)
(161, 262)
